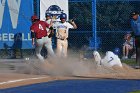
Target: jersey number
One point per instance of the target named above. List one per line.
(40, 27)
(111, 58)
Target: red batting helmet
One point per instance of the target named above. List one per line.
(34, 17)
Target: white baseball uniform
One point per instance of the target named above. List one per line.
(97, 57)
(49, 48)
(111, 59)
(62, 35)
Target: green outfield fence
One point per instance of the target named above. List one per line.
(112, 23)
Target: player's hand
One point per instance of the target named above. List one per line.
(54, 17)
(33, 44)
(51, 34)
(71, 21)
(65, 38)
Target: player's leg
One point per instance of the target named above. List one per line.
(48, 46)
(59, 48)
(138, 52)
(65, 48)
(138, 56)
(97, 58)
(38, 49)
(123, 51)
(127, 51)
(137, 44)
(44, 52)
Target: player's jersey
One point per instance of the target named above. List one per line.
(39, 28)
(111, 60)
(135, 24)
(62, 29)
(48, 22)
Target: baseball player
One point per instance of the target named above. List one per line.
(62, 28)
(50, 33)
(49, 20)
(39, 33)
(109, 60)
(135, 25)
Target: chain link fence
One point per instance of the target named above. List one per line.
(113, 22)
(112, 18)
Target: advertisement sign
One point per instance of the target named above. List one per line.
(15, 23)
(54, 7)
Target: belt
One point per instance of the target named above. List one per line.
(60, 38)
(41, 37)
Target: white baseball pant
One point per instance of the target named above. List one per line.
(62, 46)
(44, 41)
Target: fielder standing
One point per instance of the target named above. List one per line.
(50, 32)
(135, 25)
(62, 28)
(40, 36)
(49, 21)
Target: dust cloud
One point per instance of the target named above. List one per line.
(71, 66)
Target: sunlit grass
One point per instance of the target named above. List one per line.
(135, 91)
(129, 61)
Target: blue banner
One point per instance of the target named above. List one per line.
(15, 23)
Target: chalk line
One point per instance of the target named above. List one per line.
(19, 80)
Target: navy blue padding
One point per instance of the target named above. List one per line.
(78, 86)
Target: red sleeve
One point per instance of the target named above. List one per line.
(32, 28)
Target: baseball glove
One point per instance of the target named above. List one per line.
(51, 34)
(51, 28)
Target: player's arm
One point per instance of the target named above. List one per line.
(33, 37)
(49, 25)
(133, 27)
(73, 24)
(66, 34)
(56, 30)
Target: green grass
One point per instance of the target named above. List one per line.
(129, 61)
(135, 91)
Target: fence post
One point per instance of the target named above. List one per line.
(36, 7)
(94, 23)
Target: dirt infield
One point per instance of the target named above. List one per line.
(13, 74)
